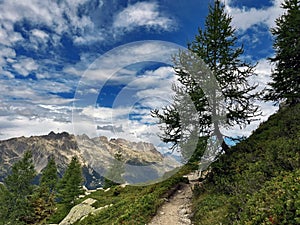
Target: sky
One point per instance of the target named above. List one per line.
(99, 66)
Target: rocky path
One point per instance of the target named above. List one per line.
(176, 210)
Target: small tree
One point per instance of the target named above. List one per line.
(285, 83)
(231, 99)
(20, 189)
(113, 175)
(70, 186)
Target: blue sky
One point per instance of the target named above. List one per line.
(47, 50)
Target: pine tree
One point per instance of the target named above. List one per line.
(43, 200)
(4, 212)
(43, 204)
(70, 186)
(20, 189)
(49, 177)
(285, 83)
(214, 48)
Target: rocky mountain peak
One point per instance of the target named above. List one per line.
(95, 154)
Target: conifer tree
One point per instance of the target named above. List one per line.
(215, 46)
(70, 186)
(19, 185)
(285, 84)
(43, 200)
(49, 177)
(4, 213)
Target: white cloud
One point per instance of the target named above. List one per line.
(134, 130)
(34, 126)
(105, 114)
(112, 65)
(6, 55)
(61, 17)
(245, 18)
(40, 34)
(25, 66)
(143, 14)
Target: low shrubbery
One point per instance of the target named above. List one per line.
(254, 183)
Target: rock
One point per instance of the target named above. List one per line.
(94, 154)
(78, 212)
(185, 221)
(89, 201)
(81, 211)
(183, 211)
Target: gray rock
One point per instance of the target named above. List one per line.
(183, 211)
(185, 221)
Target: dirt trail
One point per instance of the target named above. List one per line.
(176, 210)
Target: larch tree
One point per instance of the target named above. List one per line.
(285, 84)
(212, 58)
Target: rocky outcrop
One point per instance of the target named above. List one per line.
(82, 210)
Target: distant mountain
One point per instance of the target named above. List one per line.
(142, 162)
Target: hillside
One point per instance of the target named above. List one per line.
(258, 182)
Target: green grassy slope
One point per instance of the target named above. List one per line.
(131, 204)
(259, 181)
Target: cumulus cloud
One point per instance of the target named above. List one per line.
(245, 18)
(58, 17)
(36, 104)
(145, 14)
(130, 114)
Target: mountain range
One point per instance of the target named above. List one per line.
(141, 161)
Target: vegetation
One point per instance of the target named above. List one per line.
(133, 204)
(22, 202)
(285, 83)
(222, 97)
(258, 182)
(43, 200)
(255, 182)
(49, 177)
(70, 186)
(17, 193)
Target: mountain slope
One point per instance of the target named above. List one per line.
(239, 180)
(95, 154)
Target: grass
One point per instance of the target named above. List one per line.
(131, 204)
(246, 171)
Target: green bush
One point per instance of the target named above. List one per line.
(278, 202)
